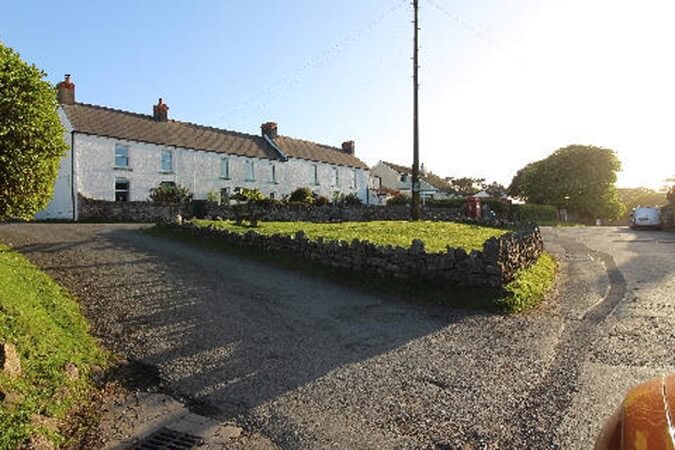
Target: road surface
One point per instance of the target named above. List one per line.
(306, 363)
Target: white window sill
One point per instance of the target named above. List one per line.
(225, 178)
(167, 172)
(128, 169)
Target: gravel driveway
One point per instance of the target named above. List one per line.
(311, 364)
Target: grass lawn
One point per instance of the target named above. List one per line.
(44, 323)
(437, 236)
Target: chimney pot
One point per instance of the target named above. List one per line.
(65, 91)
(160, 111)
(269, 129)
(348, 147)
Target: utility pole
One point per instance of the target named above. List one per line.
(415, 188)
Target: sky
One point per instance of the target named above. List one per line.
(502, 84)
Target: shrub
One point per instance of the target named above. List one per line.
(169, 192)
(247, 207)
(499, 207)
(446, 203)
(534, 213)
(398, 200)
(213, 197)
(347, 200)
(320, 200)
(302, 195)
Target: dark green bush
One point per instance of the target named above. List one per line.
(534, 213)
(398, 200)
(302, 195)
(446, 203)
(168, 192)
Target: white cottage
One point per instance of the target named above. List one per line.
(399, 178)
(120, 156)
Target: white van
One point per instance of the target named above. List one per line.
(645, 217)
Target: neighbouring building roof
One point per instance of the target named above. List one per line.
(114, 123)
(434, 180)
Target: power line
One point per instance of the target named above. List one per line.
(273, 91)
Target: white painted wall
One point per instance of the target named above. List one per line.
(199, 171)
(61, 204)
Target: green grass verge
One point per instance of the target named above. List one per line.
(474, 298)
(437, 236)
(530, 285)
(44, 322)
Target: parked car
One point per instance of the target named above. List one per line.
(645, 217)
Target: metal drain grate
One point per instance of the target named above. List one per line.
(577, 257)
(165, 439)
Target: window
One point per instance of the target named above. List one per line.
(167, 161)
(336, 176)
(121, 156)
(404, 178)
(273, 173)
(250, 171)
(315, 171)
(224, 168)
(121, 190)
(273, 195)
(354, 179)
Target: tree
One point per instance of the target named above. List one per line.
(634, 197)
(494, 189)
(578, 177)
(31, 137)
(466, 185)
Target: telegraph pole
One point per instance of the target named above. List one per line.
(415, 188)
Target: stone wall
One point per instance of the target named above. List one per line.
(492, 267)
(141, 212)
(108, 211)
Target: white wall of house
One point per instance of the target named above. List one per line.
(60, 206)
(200, 171)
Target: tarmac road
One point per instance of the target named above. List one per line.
(300, 362)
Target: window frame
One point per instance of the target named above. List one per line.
(126, 157)
(336, 176)
(225, 162)
(273, 173)
(162, 169)
(249, 170)
(127, 190)
(354, 179)
(315, 168)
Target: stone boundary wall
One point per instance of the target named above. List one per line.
(141, 212)
(148, 212)
(492, 267)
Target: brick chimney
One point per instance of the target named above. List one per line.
(269, 129)
(348, 147)
(65, 91)
(160, 111)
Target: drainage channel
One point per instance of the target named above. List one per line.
(166, 439)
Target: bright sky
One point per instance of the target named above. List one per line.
(503, 83)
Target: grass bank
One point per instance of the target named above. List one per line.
(437, 236)
(530, 285)
(55, 350)
(517, 296)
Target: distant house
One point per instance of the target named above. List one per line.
(394, 177)
(120, 156)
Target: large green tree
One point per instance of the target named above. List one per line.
(31, 137)
(581, 178)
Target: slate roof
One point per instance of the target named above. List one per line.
(115, 123)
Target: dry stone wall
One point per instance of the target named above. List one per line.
(492, 267)
(138, 212)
